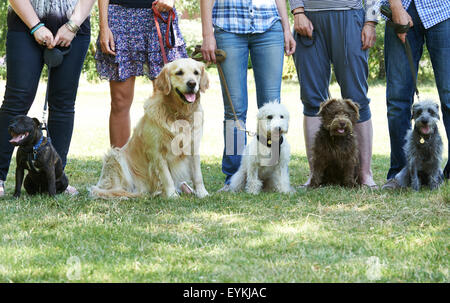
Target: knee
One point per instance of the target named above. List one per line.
(121, 104)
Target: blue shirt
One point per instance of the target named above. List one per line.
(245, 16)
(431, 12)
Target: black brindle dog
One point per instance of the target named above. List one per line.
(37, 155)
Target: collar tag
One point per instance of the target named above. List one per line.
(422, 140)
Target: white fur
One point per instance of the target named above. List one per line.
(254, 174)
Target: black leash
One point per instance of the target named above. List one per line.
(52, 58)
(400, 29)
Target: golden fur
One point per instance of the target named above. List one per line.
(154, 160)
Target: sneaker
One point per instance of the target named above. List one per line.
(391, 184)
(2, 188)
(72, 191)
(225, 188)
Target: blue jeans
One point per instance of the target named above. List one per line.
(400, 90)
(24, 64)
(266, 52)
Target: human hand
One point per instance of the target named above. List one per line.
(368, 35)
(107, 44)
(164, 5)
(63, 37)
(401, 16)
(289, 43)
(303, 25)
(209, 47)
(44, 36)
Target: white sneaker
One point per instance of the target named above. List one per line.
(70, 190)
(2, 188)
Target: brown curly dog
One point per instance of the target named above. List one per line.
(335, 151)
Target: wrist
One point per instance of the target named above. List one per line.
(36, 28)
(72, 26)
(298, 10)
(371, 24)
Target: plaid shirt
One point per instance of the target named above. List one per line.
(245, 16)
(431, 12)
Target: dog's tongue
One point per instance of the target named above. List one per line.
(425, 130)
(17, 138)
(190, 97)
(340, 130)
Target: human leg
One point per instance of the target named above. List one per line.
(351, 70)
(399, 87)
(312, 62)
(235, 71)
(24, 66)
(438, 46)
(267, 54)
(122, 93)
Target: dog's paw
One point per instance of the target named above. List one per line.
(201, 193)
(172, 195)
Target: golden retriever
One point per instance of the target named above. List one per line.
(163, 151)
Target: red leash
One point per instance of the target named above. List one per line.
(168, 21)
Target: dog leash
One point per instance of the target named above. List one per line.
(400, 29)
(168, 21)
(221, 55)
(52, 58)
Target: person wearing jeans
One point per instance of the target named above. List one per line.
(430, 24)
(32, 27)
(242, 28)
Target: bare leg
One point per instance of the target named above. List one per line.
(364, 133)
(122, 94)
(311, 126)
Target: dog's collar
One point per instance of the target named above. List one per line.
(269, 142)
(37, 145)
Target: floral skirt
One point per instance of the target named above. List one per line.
(137, 45)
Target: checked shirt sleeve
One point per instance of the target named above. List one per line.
(372, 8)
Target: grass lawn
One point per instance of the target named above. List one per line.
(325, 235)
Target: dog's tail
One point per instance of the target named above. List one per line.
(237, 182)
(116, 179)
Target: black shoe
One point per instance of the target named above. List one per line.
(447, 170)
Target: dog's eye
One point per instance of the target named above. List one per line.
(431, 112)
(179, 73)
(419, 112)
(282, 117)
(270, 117)
(196, 72)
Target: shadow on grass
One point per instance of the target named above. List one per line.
(326, 235)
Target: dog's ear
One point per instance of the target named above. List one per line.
(162, 82)
(414, 110)
(324, 105)
(36, 122)
(204, 80)
(437, 110)
(354, 106)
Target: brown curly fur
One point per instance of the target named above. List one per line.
(335, 151)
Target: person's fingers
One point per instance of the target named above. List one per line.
(112, 44)
(402, 37)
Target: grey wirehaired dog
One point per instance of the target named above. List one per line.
(423, 150)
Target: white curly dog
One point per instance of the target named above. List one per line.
(264, 164)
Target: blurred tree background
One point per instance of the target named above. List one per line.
(190, 9)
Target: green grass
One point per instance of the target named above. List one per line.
(325, 235)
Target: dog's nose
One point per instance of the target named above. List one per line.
(342, 124)
(191, 84)
(425, 121)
